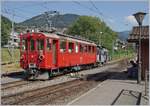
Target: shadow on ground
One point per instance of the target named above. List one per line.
(108, 75)
(94, 77)
(16, 75)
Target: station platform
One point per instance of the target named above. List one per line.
(114, 92)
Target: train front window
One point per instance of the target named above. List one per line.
(32, 45)
(48, 44)
(40, 44)
(24, 44)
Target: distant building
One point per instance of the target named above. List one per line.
(14, 40)
(134, 38)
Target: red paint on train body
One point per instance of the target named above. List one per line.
(49, 51)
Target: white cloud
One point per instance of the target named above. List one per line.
(130, 19)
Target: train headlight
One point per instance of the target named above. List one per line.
(41, 57)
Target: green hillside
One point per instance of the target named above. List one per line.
(58, 21)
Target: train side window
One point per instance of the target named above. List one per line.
(62, 45)
(24, 44)
(81, 48)
(93, 49)
(48, 44)
(85, 48)
(40, 44)
(32, 45)
(89, 49)
(76, 48)
(70, 49)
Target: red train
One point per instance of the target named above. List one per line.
(49, 52)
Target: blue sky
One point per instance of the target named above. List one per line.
(117, 14)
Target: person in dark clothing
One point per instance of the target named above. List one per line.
(133, 70)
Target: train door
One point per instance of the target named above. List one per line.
(54, 52)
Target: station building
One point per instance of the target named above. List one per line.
(134, 38)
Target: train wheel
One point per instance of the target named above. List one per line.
(35, 73)
(50, 75)
(27, 75)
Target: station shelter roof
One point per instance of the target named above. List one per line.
(134, 35)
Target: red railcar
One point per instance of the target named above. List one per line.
(49, 51)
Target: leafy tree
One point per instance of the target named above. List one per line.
(5, 30)
(94, 29)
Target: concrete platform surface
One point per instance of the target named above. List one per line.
(113, 92)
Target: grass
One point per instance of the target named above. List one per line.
(122, 54)
(6, 57)
(11, 67)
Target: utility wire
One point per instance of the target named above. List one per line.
(101, 14)
(91, 9)
(7, 11)
(76, 2)
(96, 10)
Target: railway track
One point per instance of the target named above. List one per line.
(39, 96)
(9, 85)
(15, 84)
(55, 94)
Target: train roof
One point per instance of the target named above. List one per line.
(65, 36)
(69, 37)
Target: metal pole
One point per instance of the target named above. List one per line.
(100, 39)
(139, 68)
(112, 48)
(12, 39)
(146, 82)
(50, 22)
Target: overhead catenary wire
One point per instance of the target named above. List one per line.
(108, 18)
(97, 11)
(100, 13)
(12, 12)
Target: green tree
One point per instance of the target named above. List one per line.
(93, 29)
(5, 30)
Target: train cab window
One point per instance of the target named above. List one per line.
(24, 44)
(48, 44)
(76, 48)
(70, 49)
(32, 45)
(62, 45)
(81, 48)
(40, 44)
